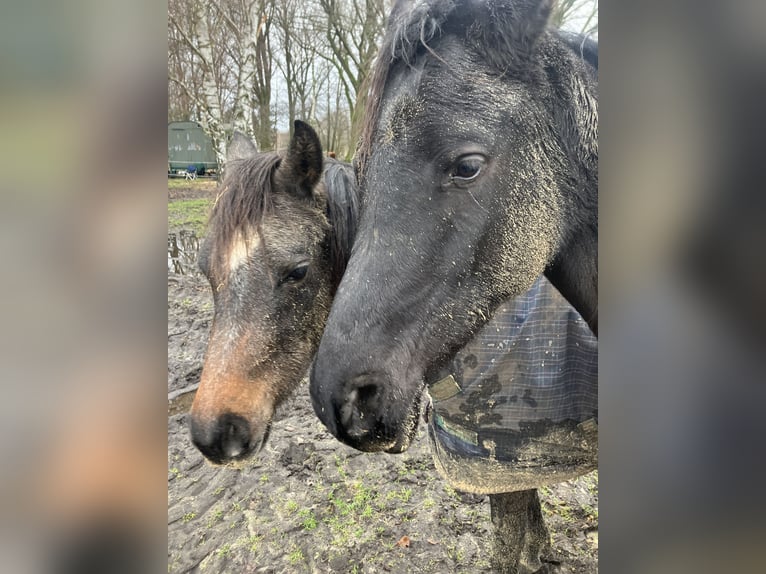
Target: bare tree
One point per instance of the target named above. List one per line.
(260, 82)
(296, 56)
(353, 29)
(226, 59)
(192, 24)
(220, 66)
(248, 23)
(582, 12)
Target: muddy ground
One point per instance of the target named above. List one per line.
(308, 503)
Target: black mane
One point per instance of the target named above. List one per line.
(342, 213)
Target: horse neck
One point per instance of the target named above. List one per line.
(574, 272)
(574, 269)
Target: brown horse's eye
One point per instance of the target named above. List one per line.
(297, 274)
(467, 168)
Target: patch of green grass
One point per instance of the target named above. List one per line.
(295, 556)
(291, 506)
(199, 184)
(564, 511)
(264, 478)
(189, 214)
(224, 551)
(217, 516)
(362, 495)
(403, 494)
(309, 520)
(255, 542)
(353, 512)
(340, 465)
(403, 471)
(188, 517)
(455, 553)
(590, 512)
(451, 492)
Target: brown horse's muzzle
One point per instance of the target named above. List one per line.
(227, 438)
(230, 417)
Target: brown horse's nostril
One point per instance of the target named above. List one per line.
(226, 439)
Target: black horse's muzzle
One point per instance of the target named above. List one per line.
(364, 415)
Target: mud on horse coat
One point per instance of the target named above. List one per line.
(277, 244)
(479, 169)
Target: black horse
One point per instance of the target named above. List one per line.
(479, 168)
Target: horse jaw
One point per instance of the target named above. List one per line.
(574, 272)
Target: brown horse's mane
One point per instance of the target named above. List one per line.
(246, 196)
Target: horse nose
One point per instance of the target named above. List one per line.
(225, 439)
(360, 408)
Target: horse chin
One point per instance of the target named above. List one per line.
(409, 429)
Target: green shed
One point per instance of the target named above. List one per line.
(188, 145)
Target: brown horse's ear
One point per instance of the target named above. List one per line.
(301, 168)
(506, 31)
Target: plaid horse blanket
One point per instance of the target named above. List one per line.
(517, 408)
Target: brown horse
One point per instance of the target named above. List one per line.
(279, 236)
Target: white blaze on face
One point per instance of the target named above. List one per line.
(239, 251)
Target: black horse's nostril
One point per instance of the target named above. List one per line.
(227, 438)
(360, 408)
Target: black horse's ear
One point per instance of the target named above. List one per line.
(506, 31)
(301, 168)
(240, 147)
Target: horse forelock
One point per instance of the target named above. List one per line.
(246, 196)
(410, 27)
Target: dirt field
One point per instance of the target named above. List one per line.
(308, 503)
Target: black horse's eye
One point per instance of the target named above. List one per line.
(467, 168)
(297, 274)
